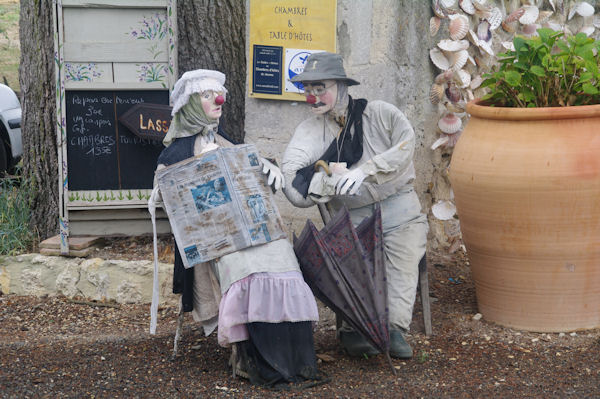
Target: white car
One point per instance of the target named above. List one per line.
(11, 146)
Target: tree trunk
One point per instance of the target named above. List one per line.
(212, 36)
(38, 103)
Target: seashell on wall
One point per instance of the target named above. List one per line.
(453, 93)
(458, 26)
(436, 93)
(483, 31)
(467, 6)
(495, 18)
(458, 59)
(439, 59)
(434, 25)
(530, 15)
(450, 123)
(453, 45)
(476, 29)
(583, 8)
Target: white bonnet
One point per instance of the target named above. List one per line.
(195, 82)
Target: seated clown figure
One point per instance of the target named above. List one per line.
(369, 147)
(256, 297)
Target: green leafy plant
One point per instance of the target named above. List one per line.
(549, 70)
(16, 236)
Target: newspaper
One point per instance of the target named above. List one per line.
(219, 203)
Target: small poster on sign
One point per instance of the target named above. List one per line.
(267, 69)
(294, 65)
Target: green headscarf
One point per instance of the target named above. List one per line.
(190, 120)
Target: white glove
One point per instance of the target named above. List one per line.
(275, 177)
(350, 182)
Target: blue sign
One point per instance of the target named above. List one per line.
(267, 69)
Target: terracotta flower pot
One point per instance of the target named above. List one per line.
(527, 191)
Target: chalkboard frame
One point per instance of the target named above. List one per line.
(79, 199)
(91, 59)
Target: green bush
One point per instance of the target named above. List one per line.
(549, 70)
(15, 234)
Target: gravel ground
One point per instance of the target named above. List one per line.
(54, 347)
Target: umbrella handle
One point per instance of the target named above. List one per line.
(322, 164)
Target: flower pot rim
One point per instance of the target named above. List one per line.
(478, 109)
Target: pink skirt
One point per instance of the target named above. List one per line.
(264, 297)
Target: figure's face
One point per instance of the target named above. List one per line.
(212, 102)
(322, 95)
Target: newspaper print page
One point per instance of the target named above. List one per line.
(202, 209)
(257, 205)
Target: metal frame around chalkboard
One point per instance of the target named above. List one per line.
(82, 69)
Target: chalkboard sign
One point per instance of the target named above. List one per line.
(102, 153)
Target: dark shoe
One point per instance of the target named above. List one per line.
(357, 345)
(399, 348)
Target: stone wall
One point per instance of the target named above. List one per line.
(93, 279)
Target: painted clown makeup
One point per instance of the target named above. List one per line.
(211, 103)
(322, 95)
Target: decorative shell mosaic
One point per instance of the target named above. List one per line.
(472, 32)
(469, 34)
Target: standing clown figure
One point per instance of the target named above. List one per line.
(369, 147)
(256, 296)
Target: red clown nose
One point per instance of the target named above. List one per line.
(219, 100)
(311, 99)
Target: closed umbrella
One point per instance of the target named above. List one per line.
(345, 268)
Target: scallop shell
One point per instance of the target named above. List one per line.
(453, 45)
(556, 26)
(437, 9)
(483, 31)
(443, 209)
(462, 78)
(436, 93)
(510, 27)
(439, 59)
(467, 6)
(530, 29)
(453, 93)
(458, 27)
(471, 60)
(458, 107)
(440, 142)
(444, 77)
(587, 29)
(472, 36)
(495, 18)
(470, 96)
(434, 25)
(447, 3)
(530, 15)
(459, 59)
(453, 139)
(543, 17)
(450, 123)
(515, 15)
(476, 82)
(487, 47)
(584, 9)
(481, 5)
(508, 46)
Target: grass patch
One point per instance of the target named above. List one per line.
(15, 234)
(10, 51)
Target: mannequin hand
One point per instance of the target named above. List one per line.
(350, 182)
(275, 177)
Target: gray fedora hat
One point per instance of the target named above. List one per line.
(323, 66)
